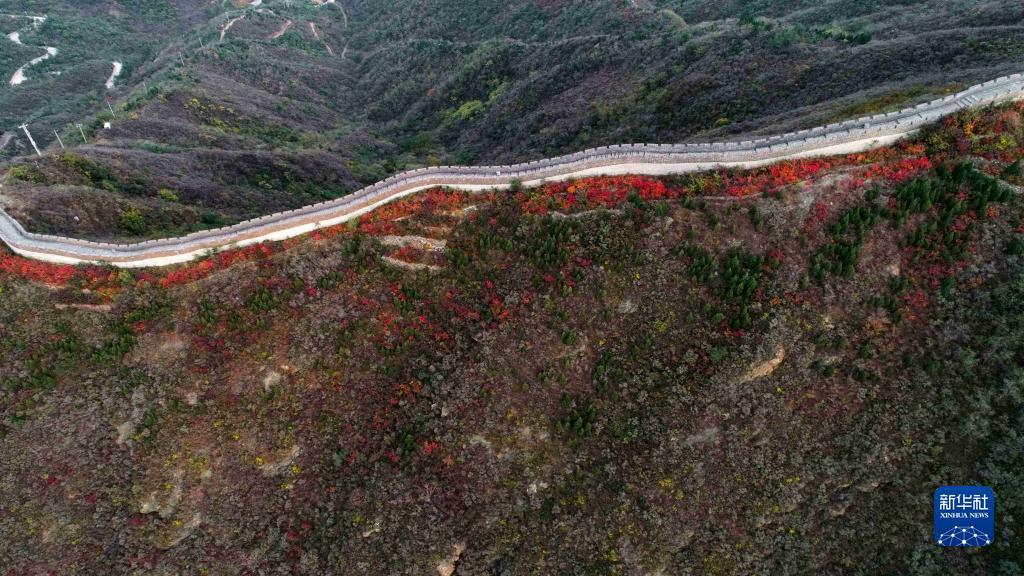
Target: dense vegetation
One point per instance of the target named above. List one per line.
(721, 373)
(299, 103)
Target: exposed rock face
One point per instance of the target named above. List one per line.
(164, 502)
(126, 429)
(447, 567)
(278, 467)
(765, 368)
(627, 307)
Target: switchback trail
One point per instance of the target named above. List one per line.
(19, 76)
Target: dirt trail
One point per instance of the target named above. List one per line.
(420, 242)
(19, 76)
(280, 31)
(409, 265)
(227, 26)
(322, 3)
(343, 13)
(316, 32)
(254, 5)
(113, 75)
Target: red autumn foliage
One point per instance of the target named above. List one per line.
(900, 170)
(819, 214)
(43, 272)
(590, 193)
(895, 164)
(407, 254)
(991, 136)
(193, 272)
(429, 448)
(436, 200)
(775, 176)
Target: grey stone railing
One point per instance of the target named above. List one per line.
(848, 136)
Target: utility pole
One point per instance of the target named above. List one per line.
(30, 139)
(111, 108)
(59, 141)
(82, 132)
(201, 45)
(182, 58)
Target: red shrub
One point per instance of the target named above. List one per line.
(44, 272)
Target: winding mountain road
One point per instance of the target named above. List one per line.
(19, 76)
(651, 159)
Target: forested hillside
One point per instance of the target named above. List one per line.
(737, 372)
(226, 110)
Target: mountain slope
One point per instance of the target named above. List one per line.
(250, 121)
(733, 372)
